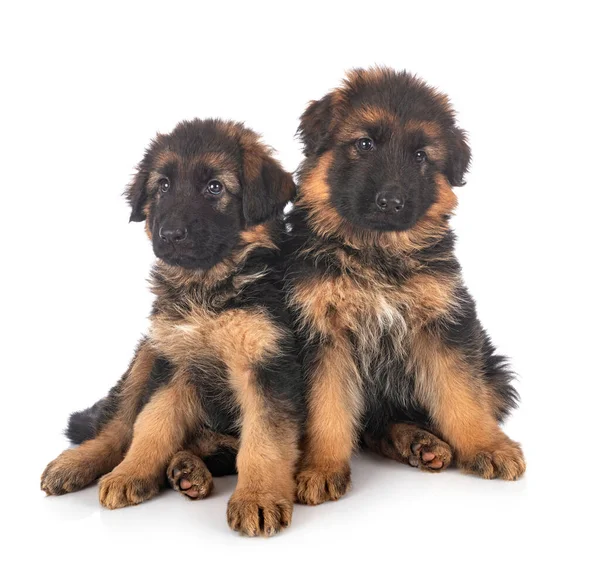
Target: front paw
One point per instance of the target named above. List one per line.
(119, 489)
(258, 513)
(67, 473)
(315, 485)
(504, 461)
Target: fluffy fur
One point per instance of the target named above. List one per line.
(216, 381)
(389, 331)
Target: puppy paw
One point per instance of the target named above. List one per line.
(505, 461)
(67, 473)
(314, 486)
(258, 514)
(429, 453)
(119, 489)
(188, 475)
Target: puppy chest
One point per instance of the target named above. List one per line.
(238, 338)
(335, 305)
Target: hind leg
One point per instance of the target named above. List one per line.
(159, 432)
(462, 409)
(407, 443)
(76, 468)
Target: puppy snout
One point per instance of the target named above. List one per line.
(389, 201)
(173, 234)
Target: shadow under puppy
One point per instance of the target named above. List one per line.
(219, 356)
(392, 346)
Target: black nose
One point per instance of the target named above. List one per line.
(172, 234)
(389, 201)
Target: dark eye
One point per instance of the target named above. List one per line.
(365, 144)
(164, 184)
(214, 187)
(420, 156)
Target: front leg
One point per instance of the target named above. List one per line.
(159, 432)
(263, 500)
(334, 402)
(452, 387)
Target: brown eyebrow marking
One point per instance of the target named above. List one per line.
(429, 128)
(366, 116)
(214, 160)
(435, 147)
(166, 158)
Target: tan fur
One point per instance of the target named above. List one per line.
(134, 385)
(461, 408)
(365, 301)
(266, 464)
(240, 337)
(355, 123)
(167, 158)
(159, 432)
(78, 467)
(334, 407)
(219, 161)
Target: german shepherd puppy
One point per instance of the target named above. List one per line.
(393, 349)
(219, 360)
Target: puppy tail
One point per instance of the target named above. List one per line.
(84, 425)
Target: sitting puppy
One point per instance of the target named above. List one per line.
(392, 344)
(219, 355)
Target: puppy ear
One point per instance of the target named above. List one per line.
(136, 192)
(459, 157)
(316, 125)
(267, 188)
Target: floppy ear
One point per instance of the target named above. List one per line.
(316, 124)
(459, 157)
(267, 188)
(136, 192)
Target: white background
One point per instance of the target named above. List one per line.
(84, 88)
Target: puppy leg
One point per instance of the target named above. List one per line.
(333, 412)
(462, 410)
(407, 443)
(263, 500)
(159, 432)
(78, 467)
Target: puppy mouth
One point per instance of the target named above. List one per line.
(385, 222)
(377, 220)
(186, 260)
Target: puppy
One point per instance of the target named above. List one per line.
(219, 356)
(392, 347)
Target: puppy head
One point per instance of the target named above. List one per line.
(381, 151)
(199, 187)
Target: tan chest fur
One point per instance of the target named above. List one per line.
(370, 307)
(239, 338)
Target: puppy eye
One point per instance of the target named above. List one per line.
(164, 184)
(365, 144)
(420, 156)
(214, 187)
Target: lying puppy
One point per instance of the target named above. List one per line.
(393, 346)
(219, 355)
